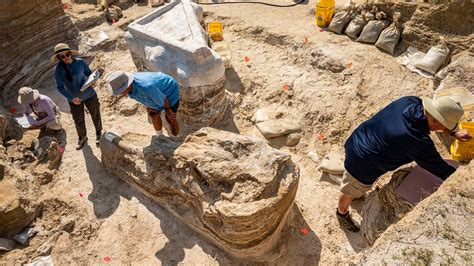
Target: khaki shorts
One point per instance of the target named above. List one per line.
(54, 124)
(352, 186)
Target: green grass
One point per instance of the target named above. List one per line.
(415, 256)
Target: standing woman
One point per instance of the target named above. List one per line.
(70, 73)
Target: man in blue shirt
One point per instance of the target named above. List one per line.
(396, 135)
(155, 90)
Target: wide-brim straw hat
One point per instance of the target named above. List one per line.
(119, 81)
(59, 48)
(27, 95)
(444, 109)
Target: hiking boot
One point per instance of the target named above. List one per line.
(346, 222)
(81, 142)
(97, 137)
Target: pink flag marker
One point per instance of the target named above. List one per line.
(304, 230)
(107, 259)
(321, 137)
(247, 59)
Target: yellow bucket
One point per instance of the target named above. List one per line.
(462, 151)
(324, 12)
(468, 113)
(215, 31)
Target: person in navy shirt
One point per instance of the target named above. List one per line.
(156, 90)
(396, 135)
(70, 74)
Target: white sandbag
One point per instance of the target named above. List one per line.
(339, 22)
(372, 30)
(433, 60)
(355, 26)
(409, 58)
(389, 37)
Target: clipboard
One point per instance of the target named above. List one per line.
(90, 80)
(22, 121)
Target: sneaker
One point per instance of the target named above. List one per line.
(97, 138)
(346, 222)
(81, 142)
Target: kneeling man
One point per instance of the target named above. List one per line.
(396, 135)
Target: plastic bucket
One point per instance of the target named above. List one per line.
(462, 151)
(215, 31)
(324, 12)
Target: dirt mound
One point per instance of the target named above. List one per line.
(451, 20)
(17, 207)
(437, 231)
(383, 208)
(459, 72)
(26, 165)
(60, 228)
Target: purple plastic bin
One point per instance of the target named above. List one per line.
(419, 184)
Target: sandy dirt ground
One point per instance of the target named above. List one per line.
(329, 99)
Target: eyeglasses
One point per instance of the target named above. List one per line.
(64, 56)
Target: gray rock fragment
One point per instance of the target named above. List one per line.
(7, 244)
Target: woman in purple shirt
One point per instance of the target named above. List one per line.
(46, 111)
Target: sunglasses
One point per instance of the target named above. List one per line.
(64, 56)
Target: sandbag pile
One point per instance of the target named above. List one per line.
(341, 19)
(372, 30)
(368, 25)
(357, 23)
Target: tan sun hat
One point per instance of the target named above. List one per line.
(444, 109)
(118, 82)
(59, 48)
(27, 95)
